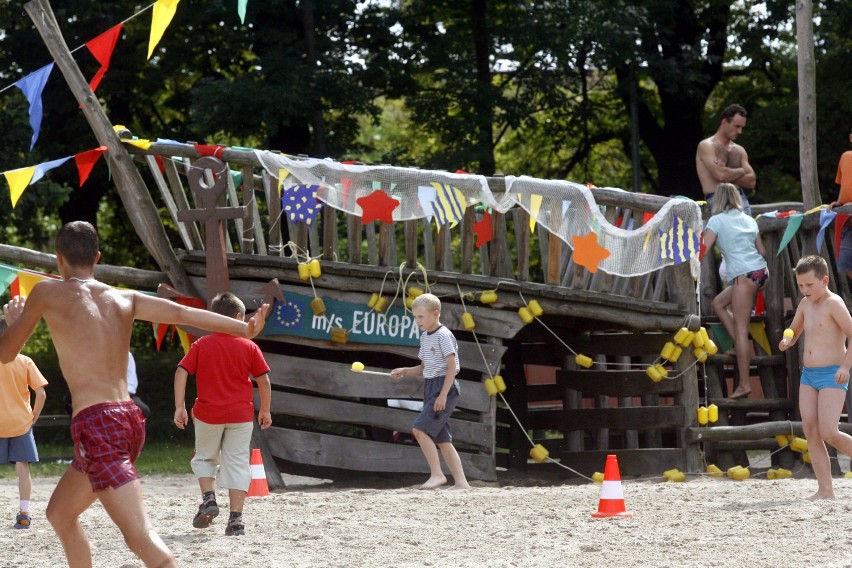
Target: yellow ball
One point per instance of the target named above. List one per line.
(789, 333)
(357, 366)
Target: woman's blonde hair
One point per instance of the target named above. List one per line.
(727, 196)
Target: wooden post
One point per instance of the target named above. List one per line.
(212, 215)
(807, 103)
(681, 287)
(131, 188)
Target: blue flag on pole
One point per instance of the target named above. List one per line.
(32, 86)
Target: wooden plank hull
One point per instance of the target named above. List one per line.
(327, 450)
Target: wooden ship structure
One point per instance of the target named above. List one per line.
(227, 231)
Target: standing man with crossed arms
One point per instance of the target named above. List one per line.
(719, 159)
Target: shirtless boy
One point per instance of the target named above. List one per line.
(719, 159)
(90, 324)
(826, 322)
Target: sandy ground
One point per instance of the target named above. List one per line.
(517, 522)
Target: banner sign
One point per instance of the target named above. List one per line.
(294, 317)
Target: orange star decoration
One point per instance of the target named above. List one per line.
(377, 206)
(588, 253)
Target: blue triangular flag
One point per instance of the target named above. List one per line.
(43, 168)
(826, 216)
(32, 85)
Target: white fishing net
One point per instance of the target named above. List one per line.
(564, 208)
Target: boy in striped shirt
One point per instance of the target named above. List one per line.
(439, 365)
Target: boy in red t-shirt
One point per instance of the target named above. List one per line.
(223, 413)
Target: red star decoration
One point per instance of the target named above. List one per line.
(377, 206)
(483, 230)
(588, 253)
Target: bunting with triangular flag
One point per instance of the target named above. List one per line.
(32, 86)
(101, 48)
(86, 161)
(449, 204)
(680, 243)
(18, 181)
(164, 11)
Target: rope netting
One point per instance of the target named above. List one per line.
(566, 209)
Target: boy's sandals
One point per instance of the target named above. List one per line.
(205, 515)
(23, 521)
(235, 527)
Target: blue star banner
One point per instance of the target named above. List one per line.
(294, 317)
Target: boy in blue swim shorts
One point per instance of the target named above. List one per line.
(823, 318)
(439, 365)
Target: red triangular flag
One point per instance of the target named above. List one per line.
(15, 288)
(483, 230)
(102, 48)
(160, 330)
(839, 223)
(759, 304)
(86, 161)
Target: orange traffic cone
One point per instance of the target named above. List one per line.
(612, 496)
(258, 487)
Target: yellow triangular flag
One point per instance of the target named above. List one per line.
(164, 11)
(18, 181)
(535, 205)
(184, 340)
(26, 281)
(757, 331)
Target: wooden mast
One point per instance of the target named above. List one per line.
(131, 188)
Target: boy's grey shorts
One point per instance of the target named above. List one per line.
(436, 424)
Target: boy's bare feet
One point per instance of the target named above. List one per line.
(821, 495)
(742, 391)
(434, 482)
(459, 487)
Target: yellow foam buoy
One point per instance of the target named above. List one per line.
(381, 304)
(703, 415)
(698, 340)
(799, 445)
(738, 472)
(315, 268)
(535, 308)
(318, 306)
(653, 374)
(668, 349)
(781, 440)
(681, 335)
(414, 291)
(499, 383)
(488, 297)
(409, 301)
(677, 477)
(467, 321)
(304, 271)
(847, 475)
(676, 354)
(598, 477)
(662, 370)
(771, 474)
(490, 387)
(806, 457)
(525, 314)
(373, 299)
(782, 473)
(700, 354)
(712, 413)
(357, 366)
(539, 453)
(583, 360)
(710, 347)
(705, 337)
(714, 470)
(339, 335)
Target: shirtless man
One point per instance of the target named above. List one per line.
(90, 324)
(823, 317)
(720, 160)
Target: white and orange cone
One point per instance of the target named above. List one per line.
(612, 496)
(259, 487)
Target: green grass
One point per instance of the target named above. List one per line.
(157, 458)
